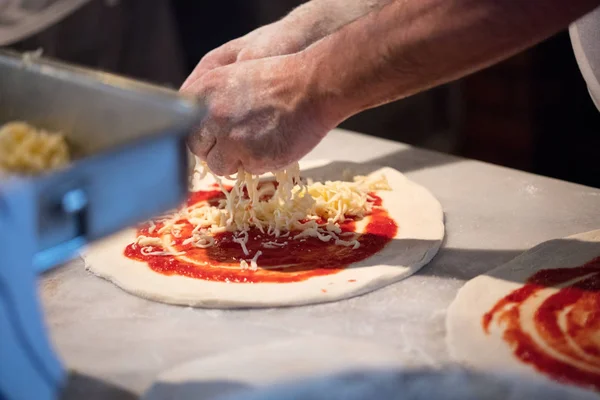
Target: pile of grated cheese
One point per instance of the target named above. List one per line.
(25, 149)
(311, 209)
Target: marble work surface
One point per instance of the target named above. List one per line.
(117, 343)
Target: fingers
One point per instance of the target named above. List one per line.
(201, 142)
(204, 139)
(214, 148)
(222, 159)
(212, 144)
(247, 54)
(224, 55)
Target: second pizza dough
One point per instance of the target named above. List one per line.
(421, 230)
(558, 261)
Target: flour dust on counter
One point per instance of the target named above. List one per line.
(538, 314)
(278, 241)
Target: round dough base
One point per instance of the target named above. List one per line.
(467, 342)
(420, 233)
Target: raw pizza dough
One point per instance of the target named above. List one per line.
(263, 365)
(420, 232)
(467, 341)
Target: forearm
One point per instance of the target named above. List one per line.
(412, 45)
(317, 19)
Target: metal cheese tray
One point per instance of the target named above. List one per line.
(128, 143)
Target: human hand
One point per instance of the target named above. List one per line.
(4, 4)
(279, 38)
(262, 115)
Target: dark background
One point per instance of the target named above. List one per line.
(531, 112)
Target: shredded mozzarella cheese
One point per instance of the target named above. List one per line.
(275, 208)
(27, 150)
(253, 262)
(273, 245)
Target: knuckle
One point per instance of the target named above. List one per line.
(200, 143)
(245, 54)
(219, 108)
(211, 55)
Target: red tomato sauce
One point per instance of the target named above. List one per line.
(296, 260)
(568, 322)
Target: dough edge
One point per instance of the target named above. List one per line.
(420, 242)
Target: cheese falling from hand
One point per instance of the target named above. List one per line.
(276, 210)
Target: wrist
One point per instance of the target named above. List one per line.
(293, 33)
(326, 99)
(330, 73)
(308, 23)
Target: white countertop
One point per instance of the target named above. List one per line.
(492, 214)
